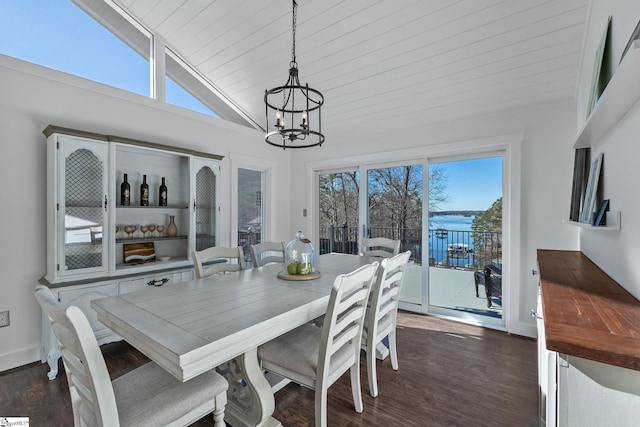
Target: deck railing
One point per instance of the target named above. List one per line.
(447, 248)
(246, 239)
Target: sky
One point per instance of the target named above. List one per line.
(59, 35)
(473, 184)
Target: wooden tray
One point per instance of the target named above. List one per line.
(286, 276)
(137, 253)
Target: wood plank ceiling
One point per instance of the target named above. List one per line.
(382, 65)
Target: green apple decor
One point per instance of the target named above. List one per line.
(298, 260)
(293, 268)
(305, 268)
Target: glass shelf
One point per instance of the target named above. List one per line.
(155, 265)
(149, 239)
(152, 207)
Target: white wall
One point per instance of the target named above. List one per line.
(615, 252)
(593, 393)
(32, 97)
(546, 174)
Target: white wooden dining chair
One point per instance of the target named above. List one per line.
(217, 259)
(146, 396)
(381, 317)
(379, 247)
(264, 253)
(317, 357)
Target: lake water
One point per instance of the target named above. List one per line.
(458, 234)
(451, 222)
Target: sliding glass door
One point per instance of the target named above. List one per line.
(394, 210)
(453, 229)
(465, 239)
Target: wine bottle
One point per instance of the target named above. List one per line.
(125, 192)
(162, 194)
(144, 192)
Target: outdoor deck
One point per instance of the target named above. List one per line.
(456, 290)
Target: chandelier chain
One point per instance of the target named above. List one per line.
(293, 25)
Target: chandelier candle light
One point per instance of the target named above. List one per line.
(294, 105)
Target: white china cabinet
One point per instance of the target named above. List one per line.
(93, 240)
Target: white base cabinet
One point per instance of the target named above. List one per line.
(547, 375)
(81, 296)
(596, 394)
(588, 344)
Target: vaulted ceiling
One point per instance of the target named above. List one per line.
(381, 65)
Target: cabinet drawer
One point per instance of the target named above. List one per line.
(82, 298)
(153, 280)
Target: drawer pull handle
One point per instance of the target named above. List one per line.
(158, 282)
(535, 315)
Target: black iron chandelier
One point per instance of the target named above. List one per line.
(295, 108)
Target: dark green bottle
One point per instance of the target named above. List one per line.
(144, 192)
(162, 194)
(125, 192)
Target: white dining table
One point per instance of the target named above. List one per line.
(219, 321)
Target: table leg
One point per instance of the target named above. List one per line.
(250, 399)
(52, 359)
(50, 351)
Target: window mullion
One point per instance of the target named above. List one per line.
(157, 66)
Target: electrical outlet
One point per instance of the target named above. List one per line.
(4, 318)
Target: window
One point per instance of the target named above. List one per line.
(61, 36)
(177, 95)
(184, 88)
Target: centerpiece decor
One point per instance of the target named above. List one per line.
(299, 260)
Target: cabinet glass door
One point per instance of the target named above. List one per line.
(82, 206)
(206, 202)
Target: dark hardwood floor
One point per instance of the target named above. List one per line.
(450, 374)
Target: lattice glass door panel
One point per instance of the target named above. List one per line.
(85, 205)
(206, 207)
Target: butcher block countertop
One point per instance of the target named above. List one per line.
(586, 313)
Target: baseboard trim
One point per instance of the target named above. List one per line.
(20, 357)
(525, 329)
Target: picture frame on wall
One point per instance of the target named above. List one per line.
(601, 217)
(600, 76)
(589, 204)
(634, 36)
(579, 184)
